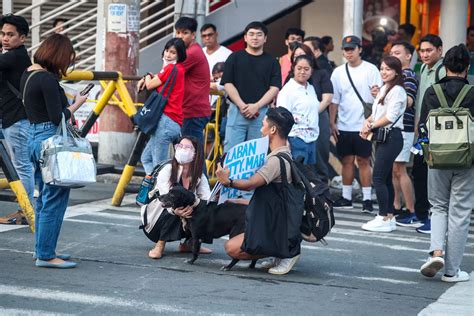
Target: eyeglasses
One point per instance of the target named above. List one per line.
(183, 146)
(207, 35)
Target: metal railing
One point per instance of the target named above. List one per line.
(156, 21)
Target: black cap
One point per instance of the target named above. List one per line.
(350, 41)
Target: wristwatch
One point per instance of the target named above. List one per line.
(229, 185)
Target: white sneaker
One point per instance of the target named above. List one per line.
(378, 224)
(284, 266)
(432, 266)
(460, 276)
(393, 223)
(270, 263)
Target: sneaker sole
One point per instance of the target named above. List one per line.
(424, 231)
(286, 271)
(416, 225)
(453, 279)
(367, 212)
(379, 230)
(432, 268)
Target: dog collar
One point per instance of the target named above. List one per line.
(196, 202)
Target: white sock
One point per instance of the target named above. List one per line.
(367, 193)
(347, 192)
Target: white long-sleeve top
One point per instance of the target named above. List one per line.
(393, 108)
(163, 186)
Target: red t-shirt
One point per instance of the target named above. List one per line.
(196, 83)
(174, 107)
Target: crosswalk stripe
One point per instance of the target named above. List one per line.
(28, 312)
(84, 221)
(89, 299)
(366, 278)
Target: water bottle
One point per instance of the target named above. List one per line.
(142, 196)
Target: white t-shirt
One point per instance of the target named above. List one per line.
(219, 55)
(350, 110)
(393, 108)
(303, 103)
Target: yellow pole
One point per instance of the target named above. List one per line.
(123, 182)
(25, 204)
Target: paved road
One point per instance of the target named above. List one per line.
(358, 273)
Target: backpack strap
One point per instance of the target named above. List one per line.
(438, 71)
(440, 94)
(462, 94)
(14, 90)
(26, 84)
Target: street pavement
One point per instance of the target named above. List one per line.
(357, 273)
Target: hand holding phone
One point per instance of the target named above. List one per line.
(87, 89)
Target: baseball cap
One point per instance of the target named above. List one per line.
(350, 41)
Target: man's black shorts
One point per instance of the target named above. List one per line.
(351, 144)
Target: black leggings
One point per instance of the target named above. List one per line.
(385, 154)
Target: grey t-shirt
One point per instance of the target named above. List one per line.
(270, 171)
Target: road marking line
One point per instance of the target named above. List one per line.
(28, 312)
(97, 223)
(402, 269)
(115, 216)
(96, 300)
(394, 281)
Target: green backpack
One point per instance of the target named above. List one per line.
(450, 133)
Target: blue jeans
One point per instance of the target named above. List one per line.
(240, 129)
(301, 149)
(52, 201)
(157, 148)
(195, 127)
(16, 137)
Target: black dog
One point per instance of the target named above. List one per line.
(208, 221)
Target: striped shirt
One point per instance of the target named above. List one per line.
(411, 86)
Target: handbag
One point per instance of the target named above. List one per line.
(148, 117)
(66, 159)
(366, 105)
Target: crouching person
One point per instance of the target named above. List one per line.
(273, 217)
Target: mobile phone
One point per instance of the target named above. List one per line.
(150, 74)
(87, 89)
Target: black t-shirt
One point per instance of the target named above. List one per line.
(12, 64)
(45, 100)
(321, 82)
(251, 75)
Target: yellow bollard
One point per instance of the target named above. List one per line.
(4, 184)
(24, 202)
(123, 182)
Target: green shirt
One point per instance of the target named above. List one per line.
(428, 78)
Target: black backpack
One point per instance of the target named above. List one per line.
(318, 217)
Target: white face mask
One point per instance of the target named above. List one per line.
(184, 155)
(166, 63)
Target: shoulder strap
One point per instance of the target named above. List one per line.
(172, 78)
(423, 67)
(437, 72)
(462, 94)
(26, 83)
(441, 97)
(284, 178)
(353, 86)
(14, 90)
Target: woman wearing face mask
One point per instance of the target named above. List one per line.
(387, 112)
(169, 125)
(186, 169)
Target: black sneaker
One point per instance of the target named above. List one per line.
(342, 203)
(367, 207)
(401, 213)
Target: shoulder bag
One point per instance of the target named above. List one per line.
(366, 105)
(148, 117)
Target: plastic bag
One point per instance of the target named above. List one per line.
(67, 159)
